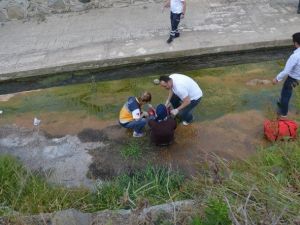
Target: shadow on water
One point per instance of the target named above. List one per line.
(144, 69)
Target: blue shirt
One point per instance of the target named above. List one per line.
(292, 67)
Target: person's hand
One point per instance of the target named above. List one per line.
(275, 81)
(144, 114)
(182, 16)
(174, 112)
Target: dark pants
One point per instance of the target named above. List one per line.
(175, 19)
(186, 113)
(299, 6)
(286, 94)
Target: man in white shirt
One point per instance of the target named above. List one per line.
(184, 95)
(178, 8)
(292, 72)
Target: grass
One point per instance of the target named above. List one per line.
(27, 193)
(260, 189)
(132, 150)
(225, 91)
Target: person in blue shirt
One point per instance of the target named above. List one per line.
(131, 115)
(292, 72)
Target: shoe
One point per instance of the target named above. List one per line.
(170, 40)
(177, 35)
(185, 123)
(137, 135)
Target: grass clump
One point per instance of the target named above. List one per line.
(151, 186)
(262, 189)
(24, 192)
(132, 150)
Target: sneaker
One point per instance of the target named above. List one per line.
(137, 135)
(185, 123)
(170, 40)
(177, 35)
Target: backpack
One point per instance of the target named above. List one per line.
(280, 129)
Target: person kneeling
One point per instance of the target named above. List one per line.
(162, 127)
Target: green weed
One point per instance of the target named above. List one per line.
(132, 150)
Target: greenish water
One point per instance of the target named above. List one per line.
(225, 91)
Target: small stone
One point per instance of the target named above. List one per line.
(156, 81)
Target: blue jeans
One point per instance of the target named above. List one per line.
(286, 94)
(136, 125)
(186, 113)
(175, 19)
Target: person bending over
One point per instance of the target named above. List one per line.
(184, 95)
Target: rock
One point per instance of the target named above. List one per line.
(58, 5)
(17, 10)
(156, 81)
(256, 82)
(71, 217)
(3, 15)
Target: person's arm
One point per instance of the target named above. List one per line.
(184, 8)
(136, 114)
(167, 4)
(185, 102)
(292, 61)
(169, 98)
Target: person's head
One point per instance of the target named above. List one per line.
(296, 39)
(166, 82)
(145, 98)
(161, 112)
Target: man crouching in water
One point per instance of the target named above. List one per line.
(162, 127)
(131, 115)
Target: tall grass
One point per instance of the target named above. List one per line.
(25, 192)
(261, 190)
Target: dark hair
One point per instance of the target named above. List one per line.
(164, 78)
(296, 38)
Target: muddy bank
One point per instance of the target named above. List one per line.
(95, 154)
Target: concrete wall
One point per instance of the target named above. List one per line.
(23, 9)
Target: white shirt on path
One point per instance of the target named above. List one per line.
(176, 6)
(184, 86)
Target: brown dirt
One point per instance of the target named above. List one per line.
(233, 136)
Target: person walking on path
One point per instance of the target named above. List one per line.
(292, 72)
(162, 128)
(131, 115)
(184, 95)
(177, 8)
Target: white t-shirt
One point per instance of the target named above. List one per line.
(184, 86)
(176, 6)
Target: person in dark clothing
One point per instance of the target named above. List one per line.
(162, 127)
(298, 7)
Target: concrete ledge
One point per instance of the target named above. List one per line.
(142, 59)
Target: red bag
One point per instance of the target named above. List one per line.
(280, 129)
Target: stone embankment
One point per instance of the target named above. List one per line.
(172, 213)
(24, 9)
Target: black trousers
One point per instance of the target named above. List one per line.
(286, 94)
(175, 20)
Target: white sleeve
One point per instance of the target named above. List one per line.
(287, 69)
(136, 114)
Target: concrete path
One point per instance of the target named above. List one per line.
(105, 37)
